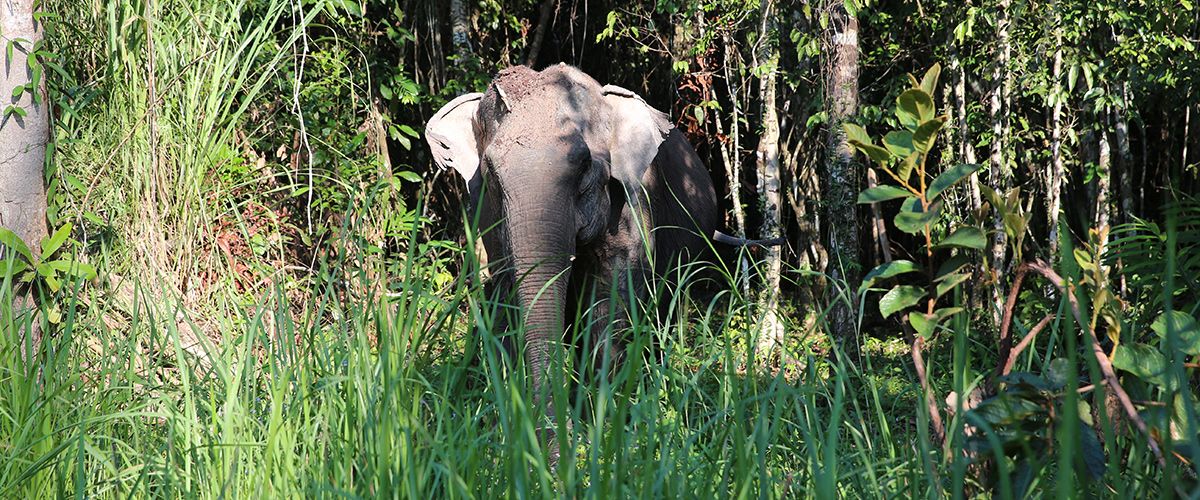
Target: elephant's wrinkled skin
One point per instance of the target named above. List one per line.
(582, 187)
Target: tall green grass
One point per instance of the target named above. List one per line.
(401, 391)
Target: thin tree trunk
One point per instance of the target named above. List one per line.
(966, 152)
(540, 33)
(23, 137)
(999, 100)
(1103, 176)
(460, 28)
(731, 155)
(1054, 177)
(841, 171)
(768, 188)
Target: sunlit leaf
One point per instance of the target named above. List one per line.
(904, 170)
(1143, 361)
(929, 81)
(52, 243)
(900, 297)
(10, 240)
(913, 220)
(964, 237)
(1187, 335)
(882, 193)
(952, 176)
(856, 133)
(950, 281)
(926, 134)
(875, 153)
(888, 270)
(917, 104)
(899, 142)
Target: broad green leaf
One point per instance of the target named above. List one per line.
(1058, 373)
(926, 133)
(900, 297)
(952, 176)
(917, 104)
(951, 266)
(989, 194)
(1093, 451)
(875, 153)
(899, 142)
(929, 81)
(922, 323)
(887, 270)
(856, 133)
(950, 281)
(1187, 335)
(10, 240)
(49, 275)
(914, 221)
(1145, 362)
(964, 237)
(52, 243)
(1005, 409)
(904, 171)
(882, 193)
(73, 268)
(12, 268)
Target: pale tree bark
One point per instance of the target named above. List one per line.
(999, 101)
(732, 156)
(966, 151)
(841, 91)
(23, 137)
(1054, 178)
(772, 333)
(1102, 206)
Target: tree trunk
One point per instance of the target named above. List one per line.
(24, 130)
(999, 109)
(731, 155)
(1103, 175)
(768, 189)
(460, 28)
(1054, 177)
(841, 86)
(540, 33)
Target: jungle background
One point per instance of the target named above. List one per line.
(256, 284)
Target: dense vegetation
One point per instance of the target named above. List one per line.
(286, 302)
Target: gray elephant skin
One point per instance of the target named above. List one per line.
(584, 194)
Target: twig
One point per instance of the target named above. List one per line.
(935, 417)
(1110, 376)
(1012, 356)
(1006, 322)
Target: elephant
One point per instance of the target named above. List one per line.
(585, 193)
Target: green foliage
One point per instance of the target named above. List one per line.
(44, 271)
(906, 153)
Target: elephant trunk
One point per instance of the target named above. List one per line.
(541, 236)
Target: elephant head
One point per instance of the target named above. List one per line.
(577, 187)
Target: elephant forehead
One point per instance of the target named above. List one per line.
(521, 141)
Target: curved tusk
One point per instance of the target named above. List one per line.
(742, 242)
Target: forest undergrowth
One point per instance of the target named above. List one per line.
(249, 293)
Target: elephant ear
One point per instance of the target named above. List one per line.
(637, 131)
(452, 138)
